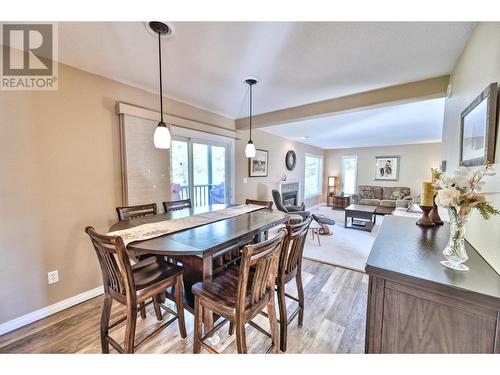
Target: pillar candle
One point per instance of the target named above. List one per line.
(427, 194)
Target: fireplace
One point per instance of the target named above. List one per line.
(290, 198)
(290, 192)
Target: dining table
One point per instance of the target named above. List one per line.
(197, 247)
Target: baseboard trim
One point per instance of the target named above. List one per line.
(44, 312)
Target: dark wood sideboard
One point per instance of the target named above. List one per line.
(415, 305)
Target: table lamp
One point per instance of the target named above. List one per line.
(332, 183)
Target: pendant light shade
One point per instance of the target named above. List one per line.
(250, 147)
(250, 150)
(162, 137)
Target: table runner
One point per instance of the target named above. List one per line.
(152, 230)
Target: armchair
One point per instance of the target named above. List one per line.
(297, 210)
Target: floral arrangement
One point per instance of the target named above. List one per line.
(461, 192)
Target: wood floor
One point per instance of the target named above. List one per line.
(334, 322)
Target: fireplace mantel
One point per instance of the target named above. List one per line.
(291, 185)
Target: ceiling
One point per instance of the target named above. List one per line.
(296, 63)
(419, 122)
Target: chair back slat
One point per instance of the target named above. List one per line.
(114, 262)
(293, 247)
(131, 212)
(177, 205)
(263, 259)
(268, 204)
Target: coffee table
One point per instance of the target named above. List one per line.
(362, 217)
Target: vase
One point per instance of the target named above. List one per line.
(455, 250)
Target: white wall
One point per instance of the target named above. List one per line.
(260, 187)
(415, 163)
(477, 67)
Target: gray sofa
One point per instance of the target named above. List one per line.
(385, 198)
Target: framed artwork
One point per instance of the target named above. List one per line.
(387, 168)
(478, 129)
(257, 166)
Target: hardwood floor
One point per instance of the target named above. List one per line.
(334, 322)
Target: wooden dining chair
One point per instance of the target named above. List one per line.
(268, 204)
(177, 205)
(240, 293)
(132, 286)
(290, 267)
(131, 212)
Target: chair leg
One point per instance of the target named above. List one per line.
(231, 328)
(300, 291)
(273, 324)
(130, 329)
(179, 304)
(142, 308)
(156, 305)
(106, 312)
(241, 340)
(198, 322)
(283, 317)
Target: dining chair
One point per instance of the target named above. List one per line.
(131, 212)
(240, 293)
(290, 267)
(177, 205)
(132, 286)
(268, 204)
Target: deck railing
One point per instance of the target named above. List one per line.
(203, 194)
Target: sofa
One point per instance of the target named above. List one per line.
(385, 198)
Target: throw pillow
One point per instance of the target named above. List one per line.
(397, 194)
(366, 194)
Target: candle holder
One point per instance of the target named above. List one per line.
(425, 220)
(436, 219)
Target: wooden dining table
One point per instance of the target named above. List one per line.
(196, 248)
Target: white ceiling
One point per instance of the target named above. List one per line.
(419, 122)
(205, 63)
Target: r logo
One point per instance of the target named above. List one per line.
(29, 52)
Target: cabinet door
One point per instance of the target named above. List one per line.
(417, 321)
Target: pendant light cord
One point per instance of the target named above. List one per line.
(161, 84)
(250, 112)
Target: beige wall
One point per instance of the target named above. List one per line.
(60, 171)
(478, 66)
(260, 187)
(415, 163)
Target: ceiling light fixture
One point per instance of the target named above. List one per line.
(162, 137)
(250, 148)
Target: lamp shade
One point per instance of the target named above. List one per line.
(332, 181)
(250, 150)
(162, 137)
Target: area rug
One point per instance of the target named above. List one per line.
(348, 248)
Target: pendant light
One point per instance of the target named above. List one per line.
(250, 148)
(162, 137)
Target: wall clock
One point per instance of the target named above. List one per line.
(290, 160)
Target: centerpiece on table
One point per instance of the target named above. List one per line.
(460, 193)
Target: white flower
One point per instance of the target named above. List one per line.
(447, 197)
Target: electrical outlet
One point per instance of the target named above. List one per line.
(53, 277)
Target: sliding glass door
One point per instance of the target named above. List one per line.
(200, 171)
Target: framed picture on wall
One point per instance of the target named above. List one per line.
(478, 128)
(257, 166)
(387, 168)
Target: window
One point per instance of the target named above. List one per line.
(313, 180)
(349, 174)
(201, 167)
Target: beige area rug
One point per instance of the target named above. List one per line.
(348, 248)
